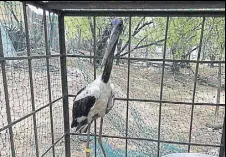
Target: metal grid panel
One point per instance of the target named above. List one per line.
(183, 127)
(27, 81)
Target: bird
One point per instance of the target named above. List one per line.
(97, 98)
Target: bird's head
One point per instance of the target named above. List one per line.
(117, 27)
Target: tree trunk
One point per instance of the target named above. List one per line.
(174, 67)
(212, 58)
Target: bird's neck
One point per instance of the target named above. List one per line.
(108, 66)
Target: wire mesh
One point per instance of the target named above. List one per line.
(180, 122)
(134, 147)
(24, 138)
(18, 79)
(171, 148)
(5, 143)
(145, 81)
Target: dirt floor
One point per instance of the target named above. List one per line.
(143, 117)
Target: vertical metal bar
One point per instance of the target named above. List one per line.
(6, 97)
(161, 88)
(30, 77)
(48, 79)
(64, 84)
(218, 93)
(222, 149)
(128, 80)
(94, 60)
(195, 82)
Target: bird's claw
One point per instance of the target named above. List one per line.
(87, 154)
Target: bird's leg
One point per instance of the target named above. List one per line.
(88, 140)
(100, 136)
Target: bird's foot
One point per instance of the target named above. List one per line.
(87, 150)
(87, 154)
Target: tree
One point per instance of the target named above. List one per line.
(12, 20)
(149, 33)
(214, 39)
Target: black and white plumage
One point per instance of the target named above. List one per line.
(96, 99)
(93, 101)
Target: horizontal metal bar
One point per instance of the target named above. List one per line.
(53, 145)
(27, 57)
(28, 115)
(165, 101)
(153, 13)
(135, 5)
(42, 5)
(171, 102)
(151, 140)
(90, 57)
(147, 59)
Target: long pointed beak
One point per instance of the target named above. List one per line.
(112, 40)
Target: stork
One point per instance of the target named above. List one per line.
(96, 99)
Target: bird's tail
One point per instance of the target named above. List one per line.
(81, 127)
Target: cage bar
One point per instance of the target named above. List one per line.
(30, 77)
(48, 78)
(137, 5)
(64, 84)
(222, 149)
(94, 76)
(127, 91)
(9, 120)
(195, 82)
(161, 88)
(109, 8)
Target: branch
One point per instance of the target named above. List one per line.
(91, 26)
(12, 12)
(154, 43)
(141, 41)
(145, 24)
(137, 27)
(186, 55)
(143, 46)
(137, 30)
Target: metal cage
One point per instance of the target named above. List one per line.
(130, 9)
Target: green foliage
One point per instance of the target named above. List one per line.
(75, 25)
(183, 32)
(214, 37)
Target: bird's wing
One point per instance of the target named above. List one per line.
(110, 102)
(79, 92)
(83, 102)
